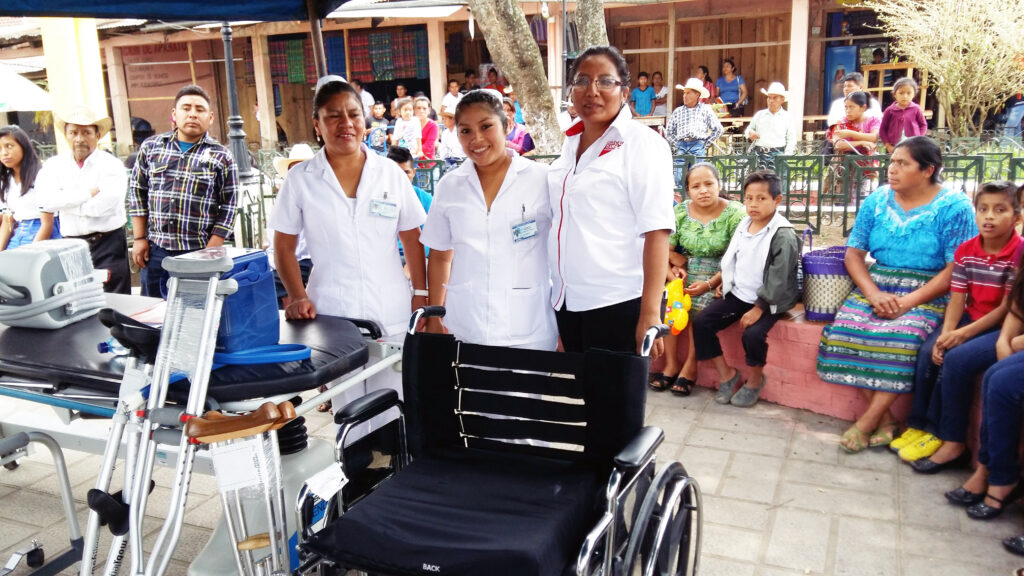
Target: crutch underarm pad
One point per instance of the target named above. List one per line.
(362, 409)
(640, 449)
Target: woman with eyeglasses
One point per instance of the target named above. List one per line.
(611, 198)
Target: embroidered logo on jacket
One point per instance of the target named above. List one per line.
(614, 144)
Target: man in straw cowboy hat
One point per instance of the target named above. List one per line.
(86, 188)
(771, 131)
(693, 126)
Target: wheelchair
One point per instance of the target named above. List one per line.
(509, 461)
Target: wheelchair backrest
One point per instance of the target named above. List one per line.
(575, 406)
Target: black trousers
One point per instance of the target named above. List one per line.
(721, 314)
(609, 328)
(109, 252)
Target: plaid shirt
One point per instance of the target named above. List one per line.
(697, 123)
(187, 197)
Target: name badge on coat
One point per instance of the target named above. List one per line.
(384, 209)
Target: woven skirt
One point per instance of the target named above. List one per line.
(860, 349)
(701, 269)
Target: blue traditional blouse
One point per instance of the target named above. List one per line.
(923, 238)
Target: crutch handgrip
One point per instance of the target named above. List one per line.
(287, 410)
(255, 542)
(208, 430)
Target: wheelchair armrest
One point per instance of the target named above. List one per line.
(362, 409)
(640, 449)
(369, 327)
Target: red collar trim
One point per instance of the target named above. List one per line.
(576, 129)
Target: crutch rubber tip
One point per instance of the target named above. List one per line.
(254, 542)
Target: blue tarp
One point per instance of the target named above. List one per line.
(181, 10)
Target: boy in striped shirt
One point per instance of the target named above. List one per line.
(949, 361)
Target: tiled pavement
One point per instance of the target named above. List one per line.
(780, 499)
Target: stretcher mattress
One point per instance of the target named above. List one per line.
(68, 356)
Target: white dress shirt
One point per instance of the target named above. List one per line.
(499, 288)
(603, 205)
(749, 251)
(65, 188)
(353, 241)
(450, 101)
(773, 130)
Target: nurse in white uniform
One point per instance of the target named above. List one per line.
(611, 198)
(352, 205)
(487, 233)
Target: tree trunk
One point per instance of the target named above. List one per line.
(517, 55)
(590, 23)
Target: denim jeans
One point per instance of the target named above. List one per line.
(152, 277)
(1002, 395)
(942, 394)
(694, 147)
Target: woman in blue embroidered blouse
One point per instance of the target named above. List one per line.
(911, 227)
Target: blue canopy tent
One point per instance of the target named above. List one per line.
(196, 10)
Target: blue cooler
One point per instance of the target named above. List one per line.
(249, 318)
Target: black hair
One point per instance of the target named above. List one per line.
(355, 82)
(709, 166)
(657, 73)
(378, 103)
(732, 62)
(1004, 187)
(925, 152)
(855, 77)
(331, 89)
(492, 69)
(768, 177)
(399, 154)
(905, 81)
(860, 98)
(450, 80)
(473, 72)
(610, 52)
(707, 73)
(642, 74)
(30, 162)
(485, 98)
(191, 90)
(878, 52)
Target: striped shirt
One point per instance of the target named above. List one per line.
(985, 278)
(186, 197)
(697, 123)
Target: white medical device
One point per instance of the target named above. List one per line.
(49, 284)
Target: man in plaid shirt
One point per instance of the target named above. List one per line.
(693, 126)
(182, 190)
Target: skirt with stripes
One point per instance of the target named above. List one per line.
(860, 349)
(701, 269)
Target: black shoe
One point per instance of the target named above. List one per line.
(682, 386)
(982, 511)
(1015, 544)
(929, 466)
(965, 498)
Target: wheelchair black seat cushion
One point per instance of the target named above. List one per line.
(469, 512)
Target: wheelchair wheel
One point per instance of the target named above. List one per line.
(666, 537)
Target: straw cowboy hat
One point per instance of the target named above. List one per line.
(298, 153)
(83, 116)
(776, 89)
(695, 85)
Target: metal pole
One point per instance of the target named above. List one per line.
(319, 55)
(236, 136)
(565, 51)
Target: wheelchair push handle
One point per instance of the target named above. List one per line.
(424, 312)
(653, 333)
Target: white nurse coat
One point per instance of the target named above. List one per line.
(499, 290)
(353, 242)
